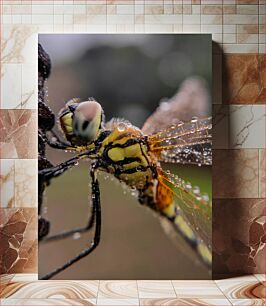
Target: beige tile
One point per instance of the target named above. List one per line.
(11, 86)
(229, 29)
(262, 177)
(247, 126)
(248, 302)
(191, 28)
(229, 38)
(96, 9)
(53, 290)
(235, 173)
(211, 9)
(42, 9)
(26, 183)
(68, 19)
(191, 19)
(79, 9)
(247, 9)
(260, 277)
(195, 9)
(187, 9)
(19, 44)
(154, 9)
(240, 48)
(117, 290)
(178, 9)
(229, 9)
(209, 28)
(7, 183)
(29, 86)
(139, 19)
(240, 19)
(42, 19)
(211, 19)
(139, 9)
(183, 302)
(21, 9)
(155, 289)
(111, 9)
(241, 287)
(118, 302)
(163, 19)
(47, 302)
(247, 29)
(125, 9)
(18, 131)
(120, 19)
(197, 289)
(247, 38)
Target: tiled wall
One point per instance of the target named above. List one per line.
(238, 30)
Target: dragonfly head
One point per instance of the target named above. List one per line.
(81, 122)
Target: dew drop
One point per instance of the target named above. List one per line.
(76, 236)
(138, 169)
(205, 197)
(121, 127)
(196, 190)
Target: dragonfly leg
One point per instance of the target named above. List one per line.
(97, 234)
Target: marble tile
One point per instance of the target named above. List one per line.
(29, 86)
(18, 232)
(235, 173)
(118, 289)
(118, 302)
(26, 183)
(247, 9)
(48, 302)
(248, 302)
(242, 287)
(248, 29)
(52, 290)
(240, 49)
(247, 126)
(246, 38)
(155, 289)
(220, 129)
(247, 1)
(239, 244)
(229, 38)
(211, 9)
(11, 86)
(7, 180)
(243, 79)
(262, 176)
(19, 44)
(260, 277)
(197, 289)
(18, 129)
(183, 302)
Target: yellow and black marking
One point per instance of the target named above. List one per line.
(126, 157)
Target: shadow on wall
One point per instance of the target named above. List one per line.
(239, 232)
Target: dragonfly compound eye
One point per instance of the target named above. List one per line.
(87, 119)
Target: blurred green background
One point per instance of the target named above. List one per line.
(128, 75)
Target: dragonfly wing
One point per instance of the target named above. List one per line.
(192, 215)
(192, 100)
(186, 143)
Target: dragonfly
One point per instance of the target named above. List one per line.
(134, 157)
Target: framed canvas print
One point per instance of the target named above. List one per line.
(125, 155)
